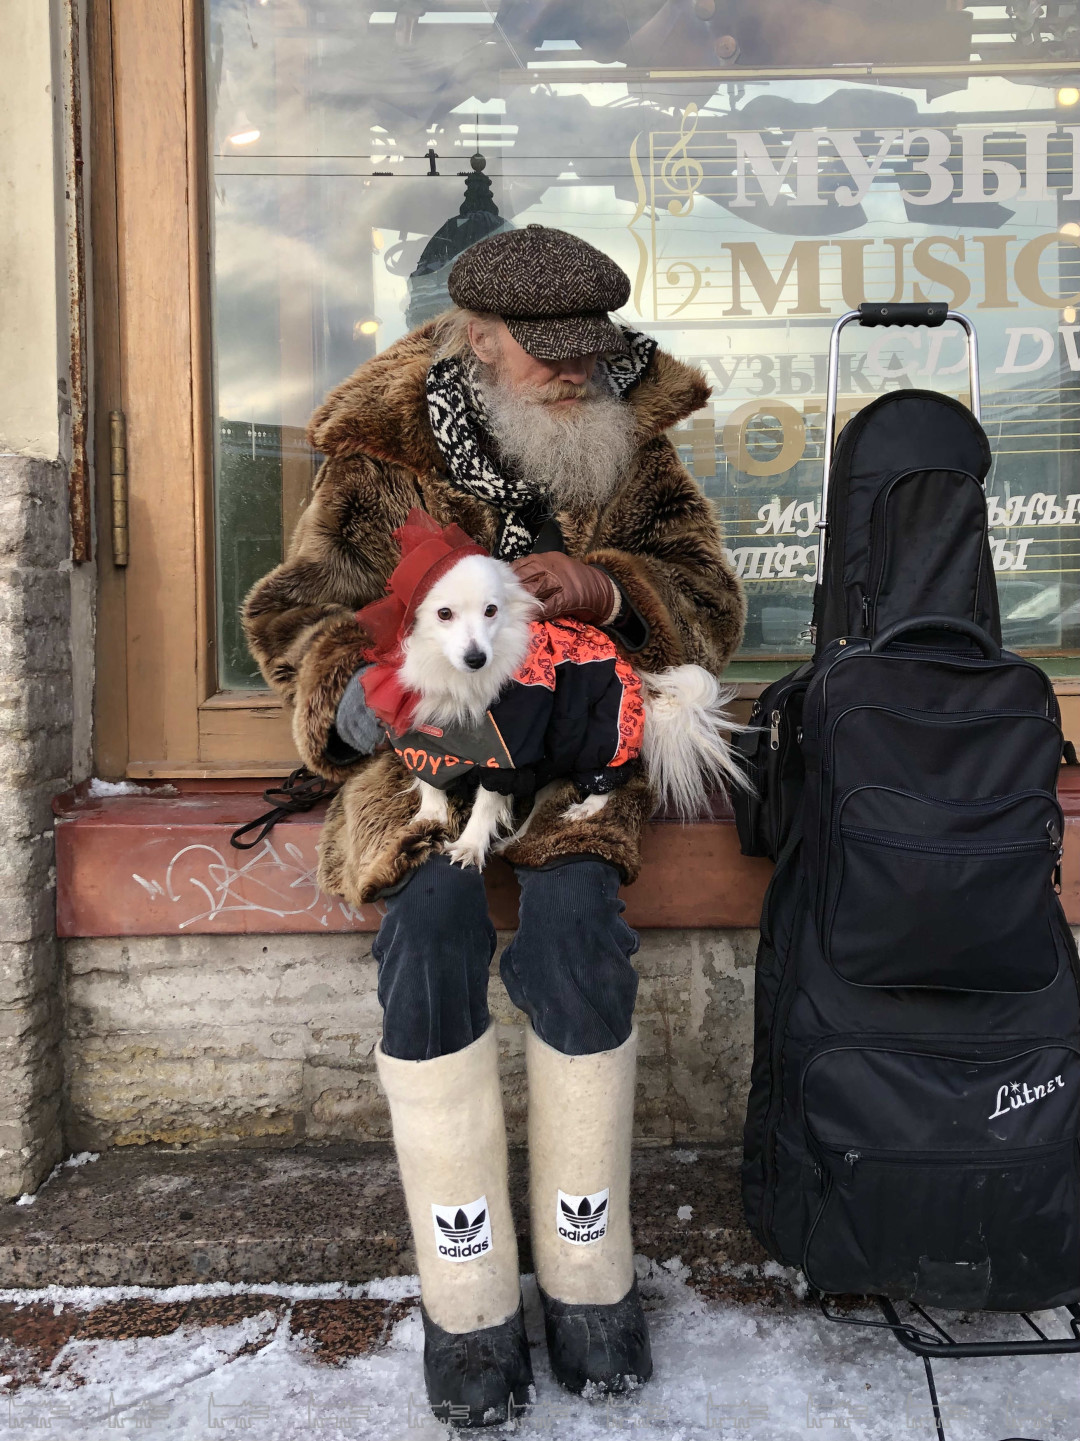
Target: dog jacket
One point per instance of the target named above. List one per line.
(573, 708)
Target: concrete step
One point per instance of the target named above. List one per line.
(157, 1216)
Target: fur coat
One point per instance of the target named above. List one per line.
(657, 536)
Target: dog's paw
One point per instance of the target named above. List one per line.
(583, 810)
(465, 853)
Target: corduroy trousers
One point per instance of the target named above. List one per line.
(568, 966)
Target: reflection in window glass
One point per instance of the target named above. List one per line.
(356, 152)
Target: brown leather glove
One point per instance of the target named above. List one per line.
(569, 587)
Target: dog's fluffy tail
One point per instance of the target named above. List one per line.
(686, 746)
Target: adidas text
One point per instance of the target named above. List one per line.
(462, 1232)
(1019, 1093)
(581, 1220)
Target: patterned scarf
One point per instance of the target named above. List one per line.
(456, 412)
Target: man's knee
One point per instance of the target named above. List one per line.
(579, 899)
(438, 905)
(569, 965)
(433, 950)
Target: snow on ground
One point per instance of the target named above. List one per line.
(722, 1369)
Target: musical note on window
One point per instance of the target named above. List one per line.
(680, 172)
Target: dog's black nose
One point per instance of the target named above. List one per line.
(475, 658)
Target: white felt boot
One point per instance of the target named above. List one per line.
(450, 1138)
(581, 1119)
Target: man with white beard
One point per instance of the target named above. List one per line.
(568, 437)
(522, 409)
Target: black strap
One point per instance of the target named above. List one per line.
(302, 790)
(1068, 754)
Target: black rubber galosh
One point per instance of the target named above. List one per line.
(478, 1378)
(607, 1346)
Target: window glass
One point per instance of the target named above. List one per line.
(357, 151)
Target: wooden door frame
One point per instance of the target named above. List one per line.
(158, 708)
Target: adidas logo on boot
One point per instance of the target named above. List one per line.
(462, 1232)
(581, 1220)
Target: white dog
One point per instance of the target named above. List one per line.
(469, 636)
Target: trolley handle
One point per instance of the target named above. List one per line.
(871, 313)
(931, 313)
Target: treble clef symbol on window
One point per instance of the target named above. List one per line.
(679, 171)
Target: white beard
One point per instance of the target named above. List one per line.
(577, 455)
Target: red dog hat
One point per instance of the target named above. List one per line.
(428, 551)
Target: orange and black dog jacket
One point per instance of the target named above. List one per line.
(572, 709)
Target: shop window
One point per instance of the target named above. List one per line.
(757, 169)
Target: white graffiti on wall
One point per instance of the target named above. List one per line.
(269, 882)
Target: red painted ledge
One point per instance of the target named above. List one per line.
(161, 864)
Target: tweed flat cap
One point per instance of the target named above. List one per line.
(551, 288)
